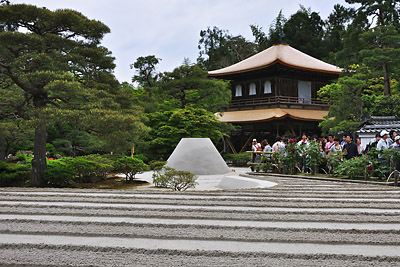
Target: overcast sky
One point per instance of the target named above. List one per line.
(169, 29)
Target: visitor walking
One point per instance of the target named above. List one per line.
(343, 142)
(256, 147)
(382, 146)
(350, 148)
(373, 143)
(330, 143)
(303, 144)
(276, 145)
(336, 146)
(360, 149)
(266, 148)
(392, 136)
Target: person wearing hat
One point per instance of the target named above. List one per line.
(382, 144)
(396, 144)
(256, 147)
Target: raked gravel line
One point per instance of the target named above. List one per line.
(296, 223)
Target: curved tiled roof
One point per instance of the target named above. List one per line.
(379, 123)
(281, 53)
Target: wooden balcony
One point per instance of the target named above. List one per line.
(278, 101)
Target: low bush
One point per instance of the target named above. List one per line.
(176, 180)
(141, 157)
(13, 175)
(18, 178)
(103, 165)
(3, 166)
(130, 167)
(90, 168)
(59, 173)
(238, 160)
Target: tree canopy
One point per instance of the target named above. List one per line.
(53, 65)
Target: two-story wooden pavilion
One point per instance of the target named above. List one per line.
(274, 93)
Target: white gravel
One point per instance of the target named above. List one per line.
(295, 223)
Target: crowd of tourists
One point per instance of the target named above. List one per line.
(332, 144)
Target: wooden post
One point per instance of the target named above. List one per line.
(132, 151)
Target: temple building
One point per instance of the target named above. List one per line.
(274, 93)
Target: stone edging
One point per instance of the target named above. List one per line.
(252, 174)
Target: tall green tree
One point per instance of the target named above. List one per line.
(382, 12)
(336, 26)
(275, 34)
(381, 52)
(218, 48)
(146, 75)
(54, 60)
(188, 85)
(304, 30)
(170, 126)
(276, 30)
(345, 97)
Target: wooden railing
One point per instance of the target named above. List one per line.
(277, 100)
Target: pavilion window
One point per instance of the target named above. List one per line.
(304, 90)
(238, 90)
(267, 87)
(253, 90)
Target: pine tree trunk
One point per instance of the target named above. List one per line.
(2, 149)
(386, 80)
(39, 161)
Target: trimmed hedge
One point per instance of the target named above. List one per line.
(59, 174)
(13, 175)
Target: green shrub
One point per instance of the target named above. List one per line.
(294, 154)
(313, 155)
(82, 167)
(238, 160)
(90, 168)
(176, 180)
(141, 157)
(59, 173)
(18, 178)
(3, 166)
(334, 160)
(14, 175)
(23, 157)
(355, 167)
(278, 161)
(157, 166)
(130, 167)
(104, 165)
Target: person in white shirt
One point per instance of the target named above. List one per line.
(382, 144)
(256, 147)
(303, 141)
(302, 163)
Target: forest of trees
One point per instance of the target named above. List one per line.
(58, 94)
